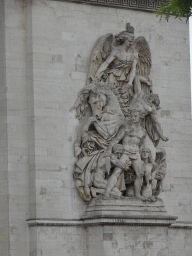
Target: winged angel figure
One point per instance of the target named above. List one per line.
(126, 62)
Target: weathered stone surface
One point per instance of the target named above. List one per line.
(38, 87)
(116, 111)
(128, 209)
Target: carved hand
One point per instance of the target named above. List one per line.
(128, 163)
(149, 83)
(92, 119)
(98, 75)
(106, 153)
(164, 138)
(129, 87)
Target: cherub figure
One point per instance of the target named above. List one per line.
(154, 172)
(149, 166)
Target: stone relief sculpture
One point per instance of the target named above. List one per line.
(117, 110)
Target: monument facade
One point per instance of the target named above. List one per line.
(95, 130)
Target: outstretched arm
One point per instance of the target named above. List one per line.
(104, 65)
(158, 128)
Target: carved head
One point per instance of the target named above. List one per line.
(135, 116)
(146, 153)
(118, 150)
(99, 97)
(154, 99)
(124, 37)
(97, 101)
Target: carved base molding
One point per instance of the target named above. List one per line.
(144, 5)
(109, 221)
(124, 208)
(128, 211)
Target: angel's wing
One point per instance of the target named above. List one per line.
(150, 127)
(160, 170)
(100, 52)
(144, 62)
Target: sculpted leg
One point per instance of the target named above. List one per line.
(112, 181)
(138, 168)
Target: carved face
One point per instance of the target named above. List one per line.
(145, 154)
(118, 153)
(97, 102)
(135, 117)
(128, 42)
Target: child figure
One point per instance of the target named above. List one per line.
(148, 169)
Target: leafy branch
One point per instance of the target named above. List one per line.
(176, 8)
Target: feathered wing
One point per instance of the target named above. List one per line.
(144, 62)
(144, 54)
(160, 170)
(150, 127)
(100, 52)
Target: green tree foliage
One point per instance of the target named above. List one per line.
(176, 8)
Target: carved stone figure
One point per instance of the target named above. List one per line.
(132, 137)
(148, 168)
(159, 172)
(104, 124)
(148, 106)
(99, 180)
(116, 111)
(154, 172)
(117, 59)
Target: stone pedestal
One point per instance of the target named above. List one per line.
(128, 210)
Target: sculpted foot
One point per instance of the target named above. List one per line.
(106, 196)
(164, 138)
(93, 192)
(142, 198)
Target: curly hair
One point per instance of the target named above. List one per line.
(122, 36)
(152, 99)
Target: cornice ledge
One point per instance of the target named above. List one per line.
(142, 5)
(100, 221)
(182, 225)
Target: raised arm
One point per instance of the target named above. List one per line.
(158, 127)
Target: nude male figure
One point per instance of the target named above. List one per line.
(132, 138)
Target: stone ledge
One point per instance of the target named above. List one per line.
(142, 5)
(131, 221)
(183, 225)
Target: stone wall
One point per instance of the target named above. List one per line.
(44, 55)
(63, 36)
(111, 240)
(4, 203)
